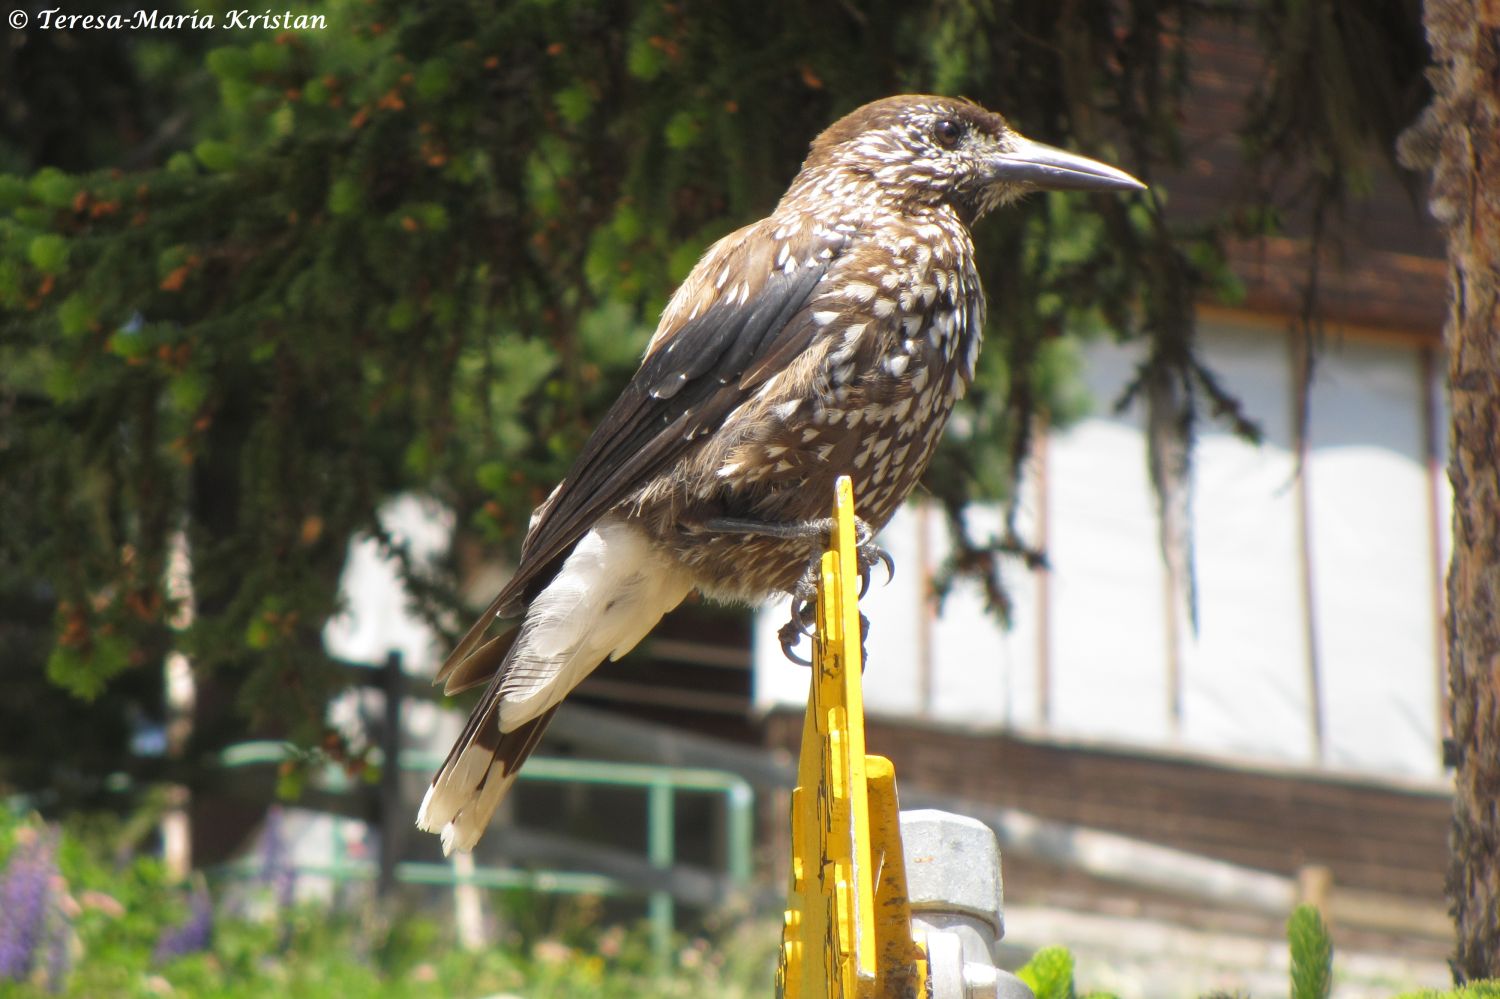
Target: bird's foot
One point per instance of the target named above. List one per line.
(800, 626)
(867, 553)
(804, 606)
(804, 615)
(804, 593)
(790, 636)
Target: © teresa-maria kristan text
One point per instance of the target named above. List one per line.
(268, 20)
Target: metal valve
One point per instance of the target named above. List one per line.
(958, 904)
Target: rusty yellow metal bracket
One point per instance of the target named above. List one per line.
(847, 930)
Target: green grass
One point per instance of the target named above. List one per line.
(107, 913)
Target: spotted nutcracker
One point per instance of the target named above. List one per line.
(830, 338)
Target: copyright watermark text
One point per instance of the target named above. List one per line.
(152, 20)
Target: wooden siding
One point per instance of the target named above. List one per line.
(1373, 836)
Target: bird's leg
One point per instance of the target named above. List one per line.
(804, 611)
(814, 531)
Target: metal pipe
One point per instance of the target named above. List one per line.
(660, 850)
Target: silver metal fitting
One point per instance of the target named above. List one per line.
(958, 903)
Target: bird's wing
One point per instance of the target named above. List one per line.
(744, 308)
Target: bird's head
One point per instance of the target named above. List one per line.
(943, 149)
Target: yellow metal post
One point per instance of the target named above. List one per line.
(847, 930)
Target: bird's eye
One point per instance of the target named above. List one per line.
(947, 132)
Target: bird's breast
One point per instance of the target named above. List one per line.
(897, 337)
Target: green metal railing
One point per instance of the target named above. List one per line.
(661, 784)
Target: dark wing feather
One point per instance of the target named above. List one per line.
(645, 430)
(477, 666)
(694, 378)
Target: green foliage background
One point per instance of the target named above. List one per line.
(261, 281)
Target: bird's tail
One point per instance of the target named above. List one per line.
(610, 591)
(474, 779)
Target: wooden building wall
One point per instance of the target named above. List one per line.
(1373, 836)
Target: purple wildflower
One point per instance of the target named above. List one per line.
(276, 868)
(59, 951)
(25, 892)
(192, 936)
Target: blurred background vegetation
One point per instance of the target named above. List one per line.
(120, 927)
(255, 283)
(81, 919)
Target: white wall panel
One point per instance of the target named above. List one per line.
(982, 673)
(895, 610)
(1372, 562)
(1245, 673)
(1107, 587)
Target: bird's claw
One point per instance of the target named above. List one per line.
(867, 553)
(804, 595)
(791, 636)
(800, 627)
(804, 614)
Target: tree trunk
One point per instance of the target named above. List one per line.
(1465, 126)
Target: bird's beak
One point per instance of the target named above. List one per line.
(1048, 168)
